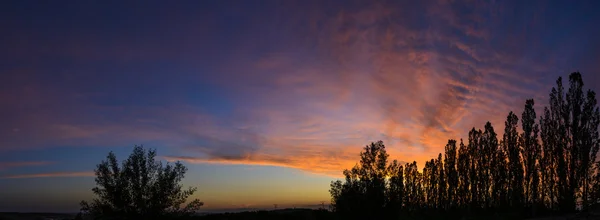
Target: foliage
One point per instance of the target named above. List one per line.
(141, 188)
(365, 182)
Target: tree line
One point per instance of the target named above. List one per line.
(548, 166)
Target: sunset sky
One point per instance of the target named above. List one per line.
(266, 102)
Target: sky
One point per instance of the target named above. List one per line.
(265, 102)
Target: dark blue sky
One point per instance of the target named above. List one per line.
(265, 101)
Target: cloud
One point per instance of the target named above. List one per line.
(6, 165)
(380, 74)
(50, 175)
(321, 159)
(307, 96)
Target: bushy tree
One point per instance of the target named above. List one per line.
(139, 188)
(364, 188)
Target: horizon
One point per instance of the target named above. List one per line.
(202, 211)
(266, 102)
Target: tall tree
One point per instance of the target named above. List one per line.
(549, 160)
(429, 184)
(488, 147)
(515, 167)
(413, 187)
(500, 178)
(531, 153)
(396, 189)
(591, 146)
(572, 118)
(581, 139)
(560, 119)
(474, 138)
(463, 169)
(440, 183)
(569, 134)
(450, 160)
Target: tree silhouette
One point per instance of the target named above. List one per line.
(395, 192)
(413, 187)
(450, 160)
(515, 172)
(500, 181)
(531, 154)
(440, 183)
(365, 185)
(570, 143)
(427, 184)
(549, 160)
(488, 147)
(141, 188)
(559, 120)
(463, 175)
(473, 150)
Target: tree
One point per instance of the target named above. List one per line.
(474, 138)
(583, 140)
(441, 184)
(559, 120)
(570, 142)
(463, 169)
(549, 160)
(450, 160)
(531, 153)
(413, 187)
(488, 146)
(500, 178)
(515, 166)
(363, 194)
(141, 188)
(396, 189)
(590, 146)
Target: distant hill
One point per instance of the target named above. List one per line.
(283, 214)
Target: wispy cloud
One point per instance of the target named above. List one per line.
(50, 175)
(6, 165)
(318, 161)
(308, 96)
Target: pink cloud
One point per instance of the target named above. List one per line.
(377, 79)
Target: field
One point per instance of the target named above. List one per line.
(283, 214)
(35, 216)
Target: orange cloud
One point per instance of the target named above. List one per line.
(54, 174)
(320, 159)
(380, 76)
